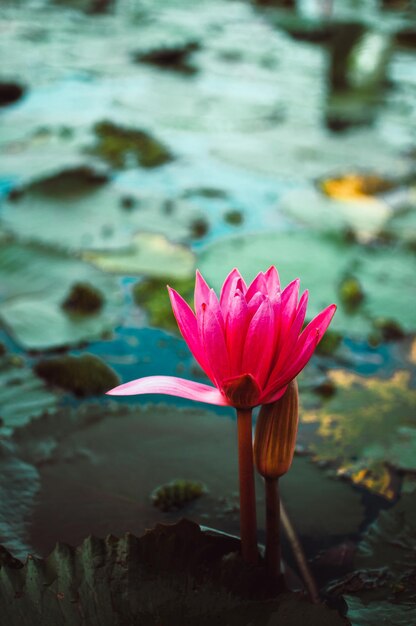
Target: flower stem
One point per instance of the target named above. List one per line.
(248, 524)
(273, 551)
(299, 555)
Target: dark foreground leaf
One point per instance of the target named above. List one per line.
(173, 574)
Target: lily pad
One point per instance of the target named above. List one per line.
(389, 543)
(362, 614)
(23, 395)
(34, 282)
(170, 573)
(367, 427)
(76, 210)
(19, 486)
(364, 216)
(149, 254)
(151, 294)
(311, 257)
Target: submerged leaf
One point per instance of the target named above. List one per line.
(172, 574)
(366, 427)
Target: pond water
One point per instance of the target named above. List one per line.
(141, 140)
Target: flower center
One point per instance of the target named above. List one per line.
(241, 391)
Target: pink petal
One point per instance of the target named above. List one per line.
(272, 397)
(304, 348)
(272, 281)
(231, 283)
(189, 329)
(213, 341)
(258, 284)
(201, 291)
(171, 386)
(290, 339)
(236, 330)
(258, 349)
(254, 303)
(289, 302)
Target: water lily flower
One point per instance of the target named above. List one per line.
(251, 345)
(249, 341)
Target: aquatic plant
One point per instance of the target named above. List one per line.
(274, 447)
(251, 345)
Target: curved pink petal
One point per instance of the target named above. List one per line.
(304, 348)
(289, 303)
(272, 397)
(171, 386)
(188, 327)
(272, 281)
(254, 303)
(212, 338)
(233, 282)
(258, 349)
(290, 338)
(235, 332)
(258, 284)
(202, 291)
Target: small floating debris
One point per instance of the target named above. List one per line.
(83, 299)
(174, 57)
(351, 292)
(177, 494)
(85, 375)
(125, 147)
(234, 217)
(10, 92)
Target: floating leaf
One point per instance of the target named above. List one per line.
(170, 573)
(364, 216)
(151, 294)
(34, 282)
(77, 210)
(23, 395)
(149, 254)
(366, 427)
(389, 544)
(322, 262)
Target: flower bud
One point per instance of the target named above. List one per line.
(275, 437)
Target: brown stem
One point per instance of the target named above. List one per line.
(273, 552)
(299, 555)
(248, 524)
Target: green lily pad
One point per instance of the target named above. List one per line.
(151, 294)
(34, 283)
(367, 427)
(170, 573)
(323, 262)
(76, 209)
(402, 226)
(23, 395)
(149, 254)
(388, 546)
(313, 209)
(380, 612)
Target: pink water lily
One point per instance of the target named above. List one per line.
(249, 341)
